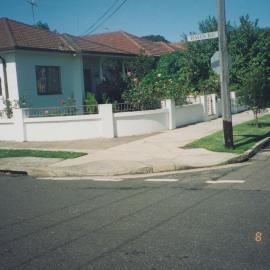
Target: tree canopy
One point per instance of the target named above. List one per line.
(45, 26)
(156, 38)
(189, 71)
(250, 75)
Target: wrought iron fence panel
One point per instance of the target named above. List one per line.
(60, 111)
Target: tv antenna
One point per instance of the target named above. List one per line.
(33, 5)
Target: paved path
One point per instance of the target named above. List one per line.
(157, 153)
(77, 145)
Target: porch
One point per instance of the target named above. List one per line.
(97, 70)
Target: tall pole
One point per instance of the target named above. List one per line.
(33, 13)
(33, 5)
(224, 75)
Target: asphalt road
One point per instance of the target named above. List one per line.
(137, 224)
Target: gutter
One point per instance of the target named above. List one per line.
(84, 52)
(5, 77)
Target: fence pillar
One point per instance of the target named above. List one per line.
(107, 121)
(205, 107)
(169, 104)
(18, 118)
(2, 106)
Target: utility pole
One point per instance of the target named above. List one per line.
(33, 5)
(224, 76)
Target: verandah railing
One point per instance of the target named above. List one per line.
(132, 107)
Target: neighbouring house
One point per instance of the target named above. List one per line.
(179, 46)
(46, 67)
(133, 44)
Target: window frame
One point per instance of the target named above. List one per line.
(46, 92)
(1, 90)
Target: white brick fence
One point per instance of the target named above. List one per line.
(106, 124)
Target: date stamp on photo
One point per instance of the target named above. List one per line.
(258, 237)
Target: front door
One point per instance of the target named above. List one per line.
(87, 81)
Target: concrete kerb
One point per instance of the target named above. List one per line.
(14, 172)
(238, 159)
(76, 173)
(249, 153)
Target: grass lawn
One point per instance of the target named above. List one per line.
(245, 136)
(6, 153)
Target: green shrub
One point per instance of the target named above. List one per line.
(8, 108)
(90, 103)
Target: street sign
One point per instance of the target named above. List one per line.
(215, 63)
(202, 36)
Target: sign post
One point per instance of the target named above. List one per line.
(215, 62)
(224, 76)
(220, 64)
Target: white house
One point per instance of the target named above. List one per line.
(47, 67)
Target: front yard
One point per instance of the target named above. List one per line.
(245, 136)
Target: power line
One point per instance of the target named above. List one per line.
(107, 18)
(100, 18)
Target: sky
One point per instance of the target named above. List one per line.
(169, 18)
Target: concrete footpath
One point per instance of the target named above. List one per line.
(121, 156)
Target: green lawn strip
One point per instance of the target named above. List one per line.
(245, 136)
(6, 153)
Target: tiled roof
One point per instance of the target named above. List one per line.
(16, 35)
(118, 40)
(83, 45)
(179, 45)
(150, 47)
(132, 44)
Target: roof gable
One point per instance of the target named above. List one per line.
(5, 40)
(27, 36)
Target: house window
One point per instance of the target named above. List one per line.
(48, 80)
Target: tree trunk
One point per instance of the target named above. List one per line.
(256, 112)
